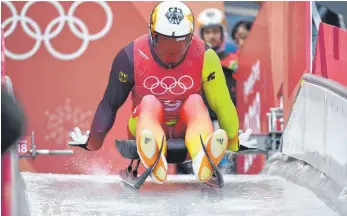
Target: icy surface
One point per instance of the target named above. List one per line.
(256, 195)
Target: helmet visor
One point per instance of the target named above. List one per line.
(171, 50)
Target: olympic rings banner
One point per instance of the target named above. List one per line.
(45, 36)
(59, 55)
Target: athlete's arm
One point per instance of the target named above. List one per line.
(218, 97)
(120, 83)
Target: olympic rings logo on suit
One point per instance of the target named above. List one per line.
(49, 34)
(166, 85)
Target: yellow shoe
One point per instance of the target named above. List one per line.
(216, 144)
(148, 150)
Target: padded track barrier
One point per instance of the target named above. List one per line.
(305, 175)
(317, 129)
(314, 142)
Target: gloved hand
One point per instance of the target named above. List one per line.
(244, 139)
(79, 139)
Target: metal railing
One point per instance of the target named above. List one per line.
(275, 126)
(33, 152)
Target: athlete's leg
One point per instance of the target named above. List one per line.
(149, 135)
(195, 114)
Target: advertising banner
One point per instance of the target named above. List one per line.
(330, 59)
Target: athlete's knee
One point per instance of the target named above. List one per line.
(151, 102)
(149, 99)
(194, 100)
(194, 109)
(197, 102)
(152, 108)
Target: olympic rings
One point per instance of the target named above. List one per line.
(45, 36)
(166, 85)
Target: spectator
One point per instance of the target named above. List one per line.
(240, 32)
(212, 26)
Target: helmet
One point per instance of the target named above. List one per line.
(212, 17)
(171, 29)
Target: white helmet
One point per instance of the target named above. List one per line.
(212, 17)
(171, 29)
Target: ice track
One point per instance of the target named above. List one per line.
(72, 195)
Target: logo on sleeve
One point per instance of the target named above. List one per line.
(211, 76)
(123, 77)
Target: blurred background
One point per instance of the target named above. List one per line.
(236, 11)
(329, 23)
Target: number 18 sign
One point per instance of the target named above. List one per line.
(24, 145)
